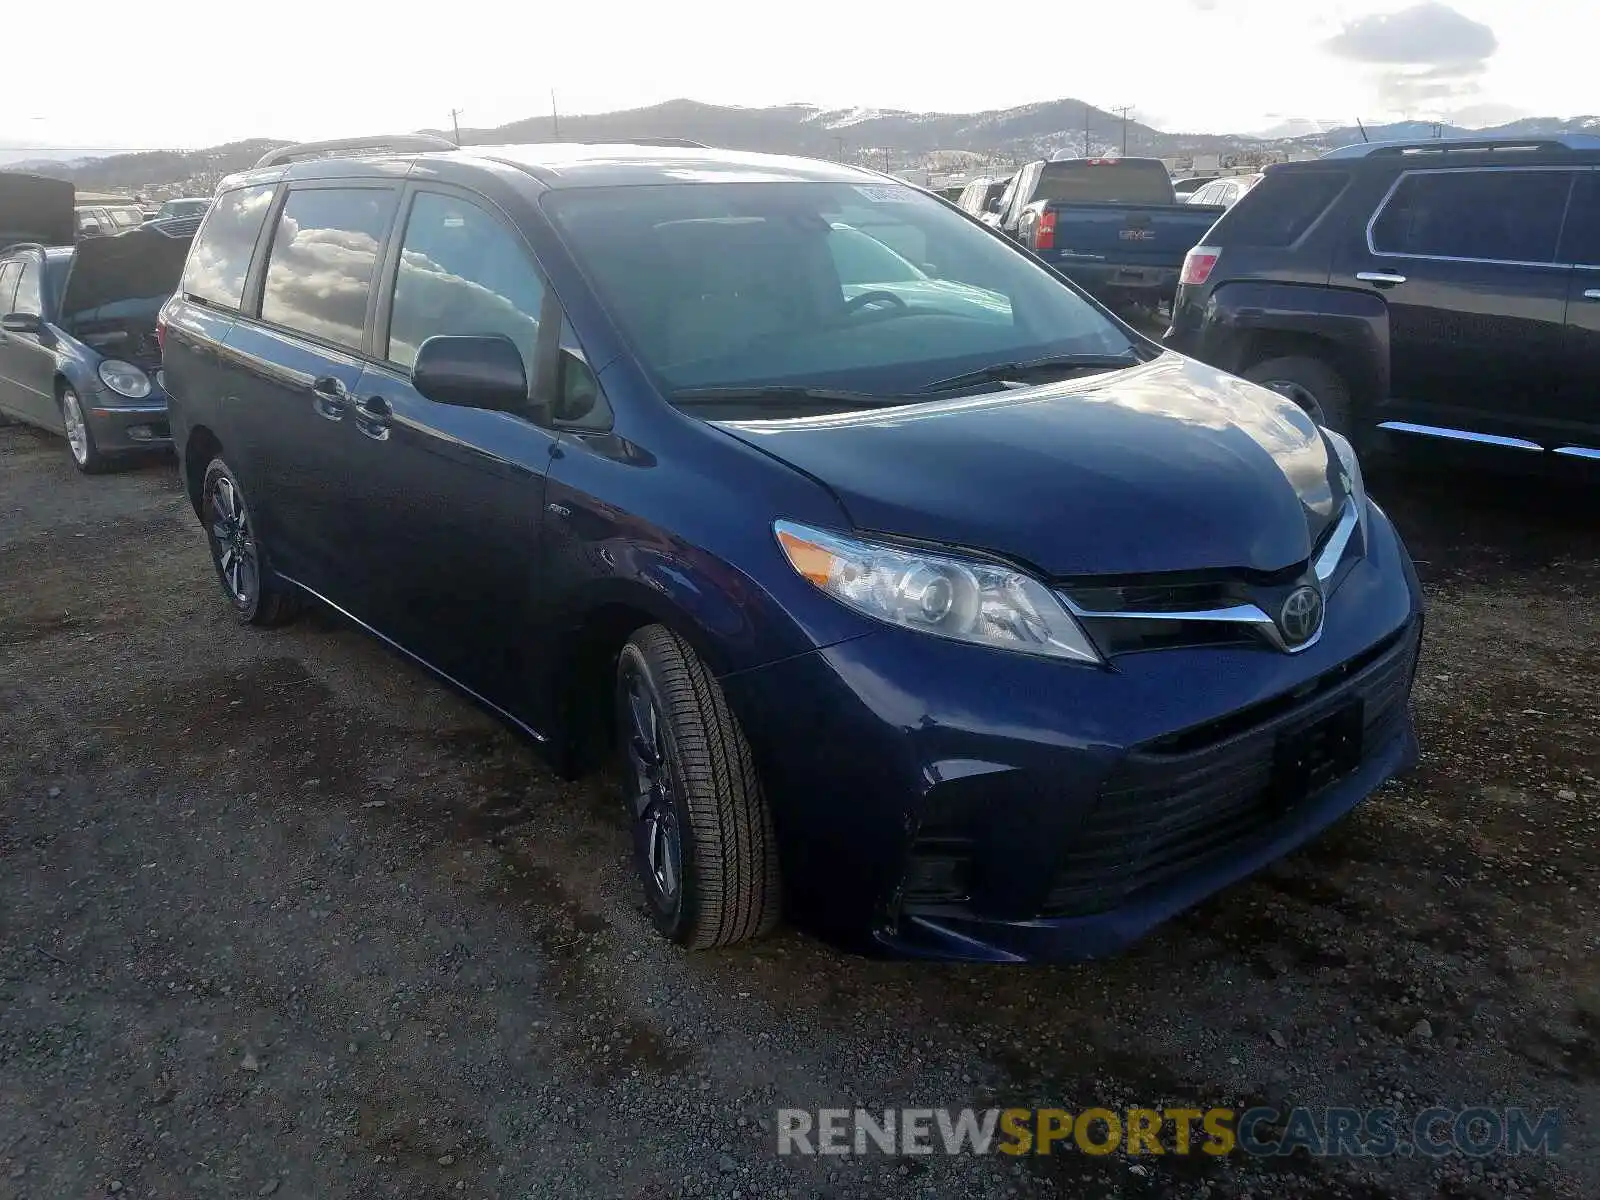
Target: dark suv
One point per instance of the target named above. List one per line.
(1442, 289)
(904, 585)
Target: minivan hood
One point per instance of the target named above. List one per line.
(1168, 466)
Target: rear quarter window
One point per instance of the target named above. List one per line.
(220, 257)
(1281, 209)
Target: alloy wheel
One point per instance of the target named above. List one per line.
(233, 542)
(652, 790)
(77, 429)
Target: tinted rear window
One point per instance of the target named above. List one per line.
(1506, 216)
(1280, 209)
(220, 257)
(1581, 242)
(1106, 182)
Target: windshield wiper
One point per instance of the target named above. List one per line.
(786, 394)
(1004, 371)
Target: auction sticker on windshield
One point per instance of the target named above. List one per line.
(886, 195)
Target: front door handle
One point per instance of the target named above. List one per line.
(1381, 278)
(330, 397)
(1592, 294)
(372, 417)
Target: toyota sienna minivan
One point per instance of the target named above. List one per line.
(911, 594)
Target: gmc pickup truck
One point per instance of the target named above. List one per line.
(1113, 226)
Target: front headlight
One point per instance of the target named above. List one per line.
(1350, 467)
(124, 379)
(965, 599)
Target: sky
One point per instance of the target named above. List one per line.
(306, 69)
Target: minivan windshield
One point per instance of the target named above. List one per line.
(871, 289)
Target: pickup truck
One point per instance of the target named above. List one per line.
(1114, 226)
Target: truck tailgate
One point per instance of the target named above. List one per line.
(1154, 235)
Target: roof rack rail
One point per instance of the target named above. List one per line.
(374, 144)
(1467, 145)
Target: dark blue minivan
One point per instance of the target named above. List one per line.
(915, 596)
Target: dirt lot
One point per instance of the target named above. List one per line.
(279, 914)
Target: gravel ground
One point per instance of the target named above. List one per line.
(281, 915)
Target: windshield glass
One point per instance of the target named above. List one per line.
(872, 288)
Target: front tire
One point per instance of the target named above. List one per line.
(257, 598)
(80, 438)
(703, 839)
(1312, 384)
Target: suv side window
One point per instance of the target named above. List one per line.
(1581, 242)
(220, 258)
(9, 271)
(29, 300)
(1497, 215)
(323, 261)
(462, 272)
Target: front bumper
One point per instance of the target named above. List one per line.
(120, 425)
(935, 799)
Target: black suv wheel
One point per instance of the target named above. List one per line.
(1310, 383)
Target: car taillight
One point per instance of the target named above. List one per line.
(1198, 265)
(1044, 231)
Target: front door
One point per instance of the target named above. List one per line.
(450, 499)
(301, 362)
(28, 360)
(1578, 433)
(1465, 261)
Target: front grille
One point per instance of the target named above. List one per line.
(1169, 809)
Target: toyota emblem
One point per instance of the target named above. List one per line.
(1301, 615)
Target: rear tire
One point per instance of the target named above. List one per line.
(256, 596)
(1312, 384)
(703, 838)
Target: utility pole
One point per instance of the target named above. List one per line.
(455, 122)
(555, 118)
(1124, 110)
(1086, 131)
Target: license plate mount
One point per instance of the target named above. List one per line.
(1312, 757)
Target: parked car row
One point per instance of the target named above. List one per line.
(696, 461)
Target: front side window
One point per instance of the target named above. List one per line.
(870, 288)
(462, 272)
(220, 257)
(323, 260)
(1505, 216)
(29, 301)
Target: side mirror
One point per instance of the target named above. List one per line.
(472, 372)
(22, 323)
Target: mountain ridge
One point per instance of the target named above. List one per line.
(880, 137)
